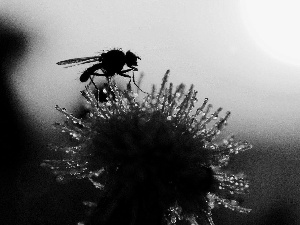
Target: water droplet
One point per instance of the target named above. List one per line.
(60, 179)
(173, 219)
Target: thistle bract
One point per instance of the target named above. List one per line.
(154, 161)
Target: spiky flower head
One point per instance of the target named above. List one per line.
(154, 160)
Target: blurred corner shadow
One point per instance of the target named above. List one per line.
(13, 46)
(14, 135)
(30, 195)
(21, 175)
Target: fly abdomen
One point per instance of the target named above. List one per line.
(89, 72)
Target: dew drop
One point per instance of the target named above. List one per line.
(233, 202)
(173, 219)
(60, 179)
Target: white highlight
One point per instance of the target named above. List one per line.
(275, 26)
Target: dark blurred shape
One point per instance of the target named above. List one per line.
(14, 43)
(13, 136)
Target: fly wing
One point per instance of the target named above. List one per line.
(76, 64)
(78, 61)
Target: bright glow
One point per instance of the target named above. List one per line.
(275, 26)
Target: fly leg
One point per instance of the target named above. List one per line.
(122, 73)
